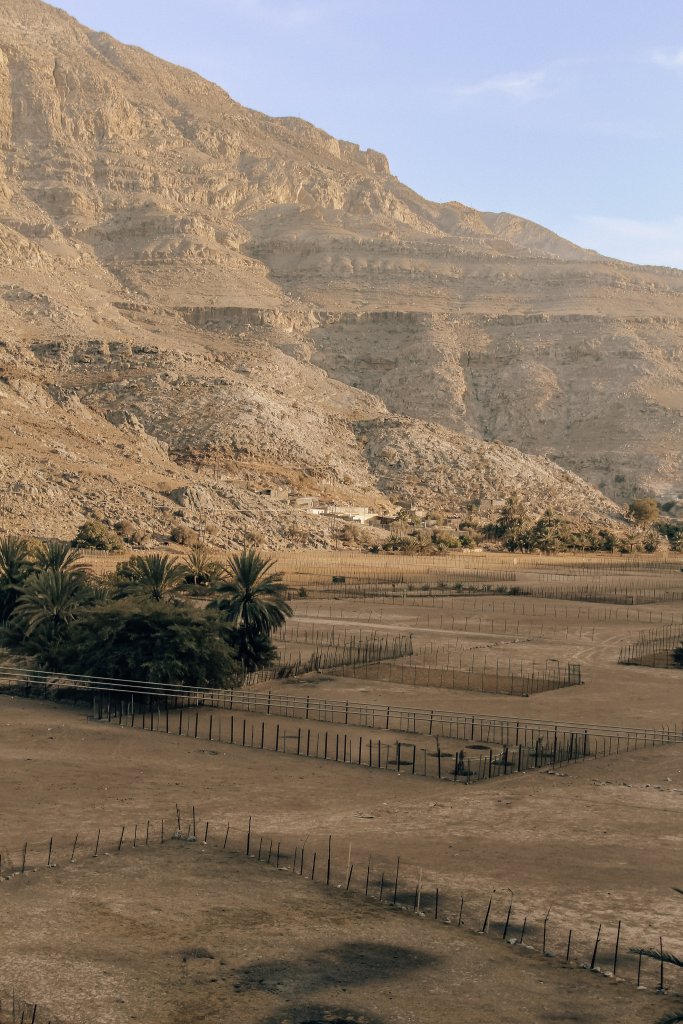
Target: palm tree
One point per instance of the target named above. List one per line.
(49, 600)
(254, 603)
(199, 566)
(15, 568)
(150, 576)
(255, 598)
(58, 554)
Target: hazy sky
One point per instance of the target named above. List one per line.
(569, 112)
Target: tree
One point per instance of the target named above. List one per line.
(512, 523)
(150, 576)
(552, 533)
(160, 643)
(93, 534)
(252, 650)
(48, 602)
(58, 554)
(15, 568)
(644, 511)
(254, 603)
(254, 597)
(200, 567)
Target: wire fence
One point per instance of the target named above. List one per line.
(655, 648)
(473, 761)
(352, 654)
(14, 1010)
(378, 877)
(375, 590)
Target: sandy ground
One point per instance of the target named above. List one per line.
(183, 932)
(596, 843)
(600, 841)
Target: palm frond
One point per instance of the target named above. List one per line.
(58, 554)
(661, 955)
(672, 1018)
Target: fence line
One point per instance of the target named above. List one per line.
(534, 749)
(14, 1010)
(379, 878)
(453, 725)
(375, 590)
(654, 648)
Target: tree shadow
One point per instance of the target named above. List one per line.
(348, 964)
(311, 1014)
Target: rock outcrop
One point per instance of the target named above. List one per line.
(197, 297)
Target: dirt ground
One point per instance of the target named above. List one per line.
(595, 843)
(183, 932)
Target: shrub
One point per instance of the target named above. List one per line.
(93, 534)
(158, 642)
(182, 534)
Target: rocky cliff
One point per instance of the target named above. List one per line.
(193, 294)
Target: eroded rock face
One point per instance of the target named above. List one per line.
(188, 286)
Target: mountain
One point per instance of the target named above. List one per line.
(196, 296)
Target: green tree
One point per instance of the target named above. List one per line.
(644, 511)
(252, 595)
(150, 576)
(93, 534)
(15, 568)
(161, 643)
(253, 600)
(200, 567)
(512, 525)
(48, 602)
(59, 554)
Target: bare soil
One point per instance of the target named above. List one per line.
(183, 932)
(596, 843)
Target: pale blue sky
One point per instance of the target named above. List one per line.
(569, 112)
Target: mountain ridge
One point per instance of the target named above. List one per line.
(143, 210)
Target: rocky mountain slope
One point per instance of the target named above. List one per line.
(195, 295)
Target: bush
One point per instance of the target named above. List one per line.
(182, 534)
(93, 534)
(158, 642)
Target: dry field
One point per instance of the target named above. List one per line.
(591, 843)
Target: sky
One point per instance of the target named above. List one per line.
(569, 113)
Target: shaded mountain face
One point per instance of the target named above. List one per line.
(228, 300)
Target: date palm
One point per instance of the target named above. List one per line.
(49, 601)
(253, 597)
(58, 554)
(15, 569)
(199, 566)
(150, 576)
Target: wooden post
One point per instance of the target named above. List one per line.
(507, 922)
(486, 917)
(595, 947)
(616, 949)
